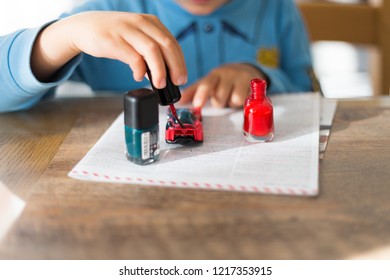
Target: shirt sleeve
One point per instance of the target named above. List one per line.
(293, 73)
(277, 80)
(19, 88)
(280, 82)
(295, 64)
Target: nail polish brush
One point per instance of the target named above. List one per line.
(168, 95)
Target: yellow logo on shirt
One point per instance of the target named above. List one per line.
(268, 57)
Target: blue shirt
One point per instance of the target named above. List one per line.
(268, 34)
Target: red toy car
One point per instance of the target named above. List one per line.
(192, 129)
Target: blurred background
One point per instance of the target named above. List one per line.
(343, 69)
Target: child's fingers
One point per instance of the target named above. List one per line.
(151, 52)
(176, 66)
(188, 94)
(239, 94)
(205, 89)
(170, 49)
(130, 56)
(222, 94)
(146, 40)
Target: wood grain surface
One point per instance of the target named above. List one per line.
(30, 139)
(71, 219)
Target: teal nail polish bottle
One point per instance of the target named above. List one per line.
(141, 126)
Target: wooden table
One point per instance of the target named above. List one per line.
(70, 219)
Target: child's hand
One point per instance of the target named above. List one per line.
(227, 85)
(131, 38)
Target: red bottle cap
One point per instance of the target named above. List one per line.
(258, 88)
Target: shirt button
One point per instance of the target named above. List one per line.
(208, 27)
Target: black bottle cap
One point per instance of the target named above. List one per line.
(141, 109)
(168, 95)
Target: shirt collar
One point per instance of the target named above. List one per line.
(175, 18)
(237, 14)
(242, 16)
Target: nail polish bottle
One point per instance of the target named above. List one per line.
(141, 126)
(258, 114)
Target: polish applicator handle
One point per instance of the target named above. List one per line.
(168, 95)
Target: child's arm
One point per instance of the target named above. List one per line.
(34, 61)
(134, 39)
(19, 89)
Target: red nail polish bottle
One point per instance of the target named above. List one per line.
(258, 114)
